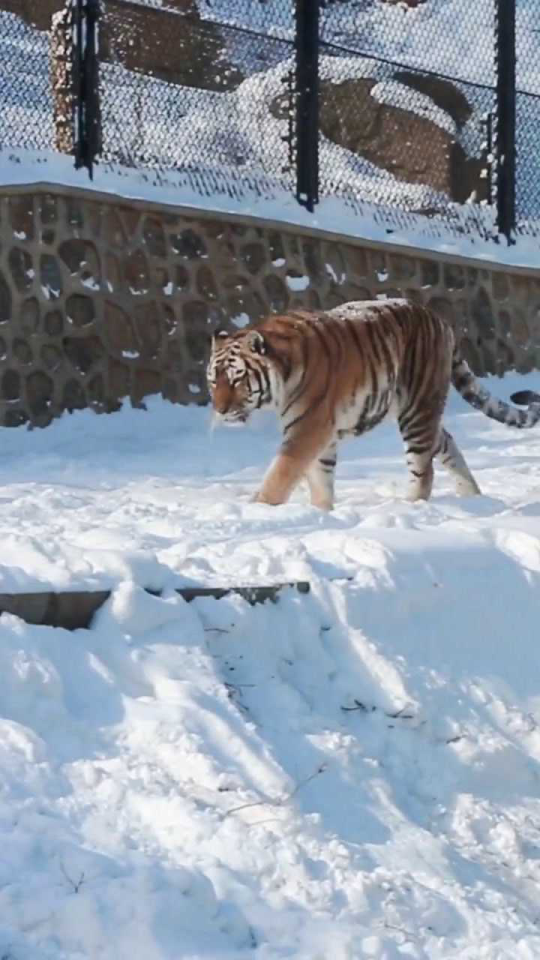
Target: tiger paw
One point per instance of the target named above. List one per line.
(259, 497)
(326, 505)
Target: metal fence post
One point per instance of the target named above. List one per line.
(505, 141)
(307, 102)
(86, 82)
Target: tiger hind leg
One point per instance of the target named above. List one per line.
(320, 477)
(420, 438)
(453, 461)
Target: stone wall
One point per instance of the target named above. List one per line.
(102, 299)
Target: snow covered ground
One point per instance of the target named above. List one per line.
(347, 775)
(158, 497)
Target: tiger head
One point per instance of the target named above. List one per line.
(238, 375)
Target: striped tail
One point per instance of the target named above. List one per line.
(524, 398)
(474, 393)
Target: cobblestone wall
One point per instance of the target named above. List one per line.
(103, 299)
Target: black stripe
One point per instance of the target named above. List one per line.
(364, 354)
(331, 330)
(300, 385)
(417, 450)
(313, 406)
(370, 334)
(381, 336)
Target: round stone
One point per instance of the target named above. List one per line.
(11, 385)
(22, 351)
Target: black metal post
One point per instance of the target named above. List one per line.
(93, 107)
(505, 141)
(86, 80)
(488, 126)
(307, 102)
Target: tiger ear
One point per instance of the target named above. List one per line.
(256, 342)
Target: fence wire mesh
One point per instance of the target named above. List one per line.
(180, 93)
(402, 137)
(527, 161)
(527, 114)
(26, 102)
(407, 104)
(433, 37)
(213, 90)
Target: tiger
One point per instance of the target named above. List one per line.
(338, 373)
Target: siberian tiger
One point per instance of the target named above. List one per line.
(339, 373)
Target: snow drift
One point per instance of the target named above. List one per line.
(350, 774)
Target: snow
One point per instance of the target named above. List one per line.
(297, 283)
(241, 320)
(397, 95)
(92, 521)
(351, 773)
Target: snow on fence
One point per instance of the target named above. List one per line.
(413, 111)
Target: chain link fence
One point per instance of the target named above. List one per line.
(213, 93)
(180, 93)
(406, 100)
(527, 113)
(402, 137)
(26, 99)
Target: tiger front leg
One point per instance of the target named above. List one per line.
(320, 476)
(298, 458)
(282, 477)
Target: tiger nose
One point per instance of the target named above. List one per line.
(221, 406)
(222, 398)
